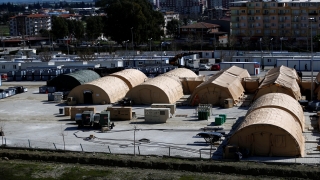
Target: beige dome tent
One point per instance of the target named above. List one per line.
(219, 87)
(160, 89)
(180, 73)
(270, 132)
(281, 101)
(131, 77)
(281, 82)
(290, 72)
(107, 89)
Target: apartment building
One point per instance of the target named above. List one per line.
(169, 16)
(29, 24)
(292, 20)
(190, 7)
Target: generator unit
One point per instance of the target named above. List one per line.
(87, 119)
(156, 115)
(172, 107)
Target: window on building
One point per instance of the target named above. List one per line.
(258, 31)
(3, 66)
(14, 66)
(237, 60)
(113, 65)
(246, 60)
(243, 11)
(269, 60)
(257, 11)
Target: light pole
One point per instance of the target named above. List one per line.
(150, 43)
(271, 46)
(161, 53)
(311, 64)
(132, 38)
(126, 47)
(98, 44)
(261, 59)
(281, 39)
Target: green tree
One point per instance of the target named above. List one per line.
(94, 27)
(76, 28)
(127, 18)
(59, 27)
(173, 27)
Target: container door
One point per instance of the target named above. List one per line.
(87, 97)
(262, 143)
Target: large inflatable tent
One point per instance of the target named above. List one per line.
(105, 90)
(223, 85)
(281, 101)
(66, 82)
(131, 77)
(281, 80)
(161, 89)
(270, 132)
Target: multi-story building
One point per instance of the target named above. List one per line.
(190, 7)
(169, 16)
(31, 24)
(281, 20)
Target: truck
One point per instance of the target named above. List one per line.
(252, 67)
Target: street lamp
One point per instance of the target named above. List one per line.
(271, 46)
(281, 39)
(98, 45)
(311, 64)
(126, 47)
(132, 38)
(161, 53)
(261, 59)
(150, 43)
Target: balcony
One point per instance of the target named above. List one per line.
(251, 20)
(265, 13)
(250, 13)
(281, 20)
(281, 13)
(266, 20)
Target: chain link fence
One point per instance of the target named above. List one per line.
(101, 146)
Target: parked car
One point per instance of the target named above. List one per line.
(204, 67)
(215, 67)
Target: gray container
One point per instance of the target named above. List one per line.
(42, 89)
(1, 95)
(46, 74)
(50, 97)
(37, 75)
(20, 75)
(51, 89)
(29, 75)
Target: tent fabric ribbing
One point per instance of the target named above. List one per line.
(71, 80)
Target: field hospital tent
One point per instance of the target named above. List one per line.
(280, 80)
(161, 89)
(270, 132)
(180, 73)
(131, 77)
(223, 85)
(66, 82)
(106, 90)
(281, 101)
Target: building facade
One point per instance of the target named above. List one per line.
(294, 20)
(29, 24)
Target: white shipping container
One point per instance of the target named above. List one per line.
(156, 115)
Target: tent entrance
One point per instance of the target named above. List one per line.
(145, 96)
(87, 97)
(262, 143)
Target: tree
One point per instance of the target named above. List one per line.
(122, 15)
(76, 28)
(86, 55)
(59, 27)
(45, 56)
(94, 27)
(173, 27)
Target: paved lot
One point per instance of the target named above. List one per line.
(28, 119)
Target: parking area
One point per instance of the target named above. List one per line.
(29, 120)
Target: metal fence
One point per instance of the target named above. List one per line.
(100, 146)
